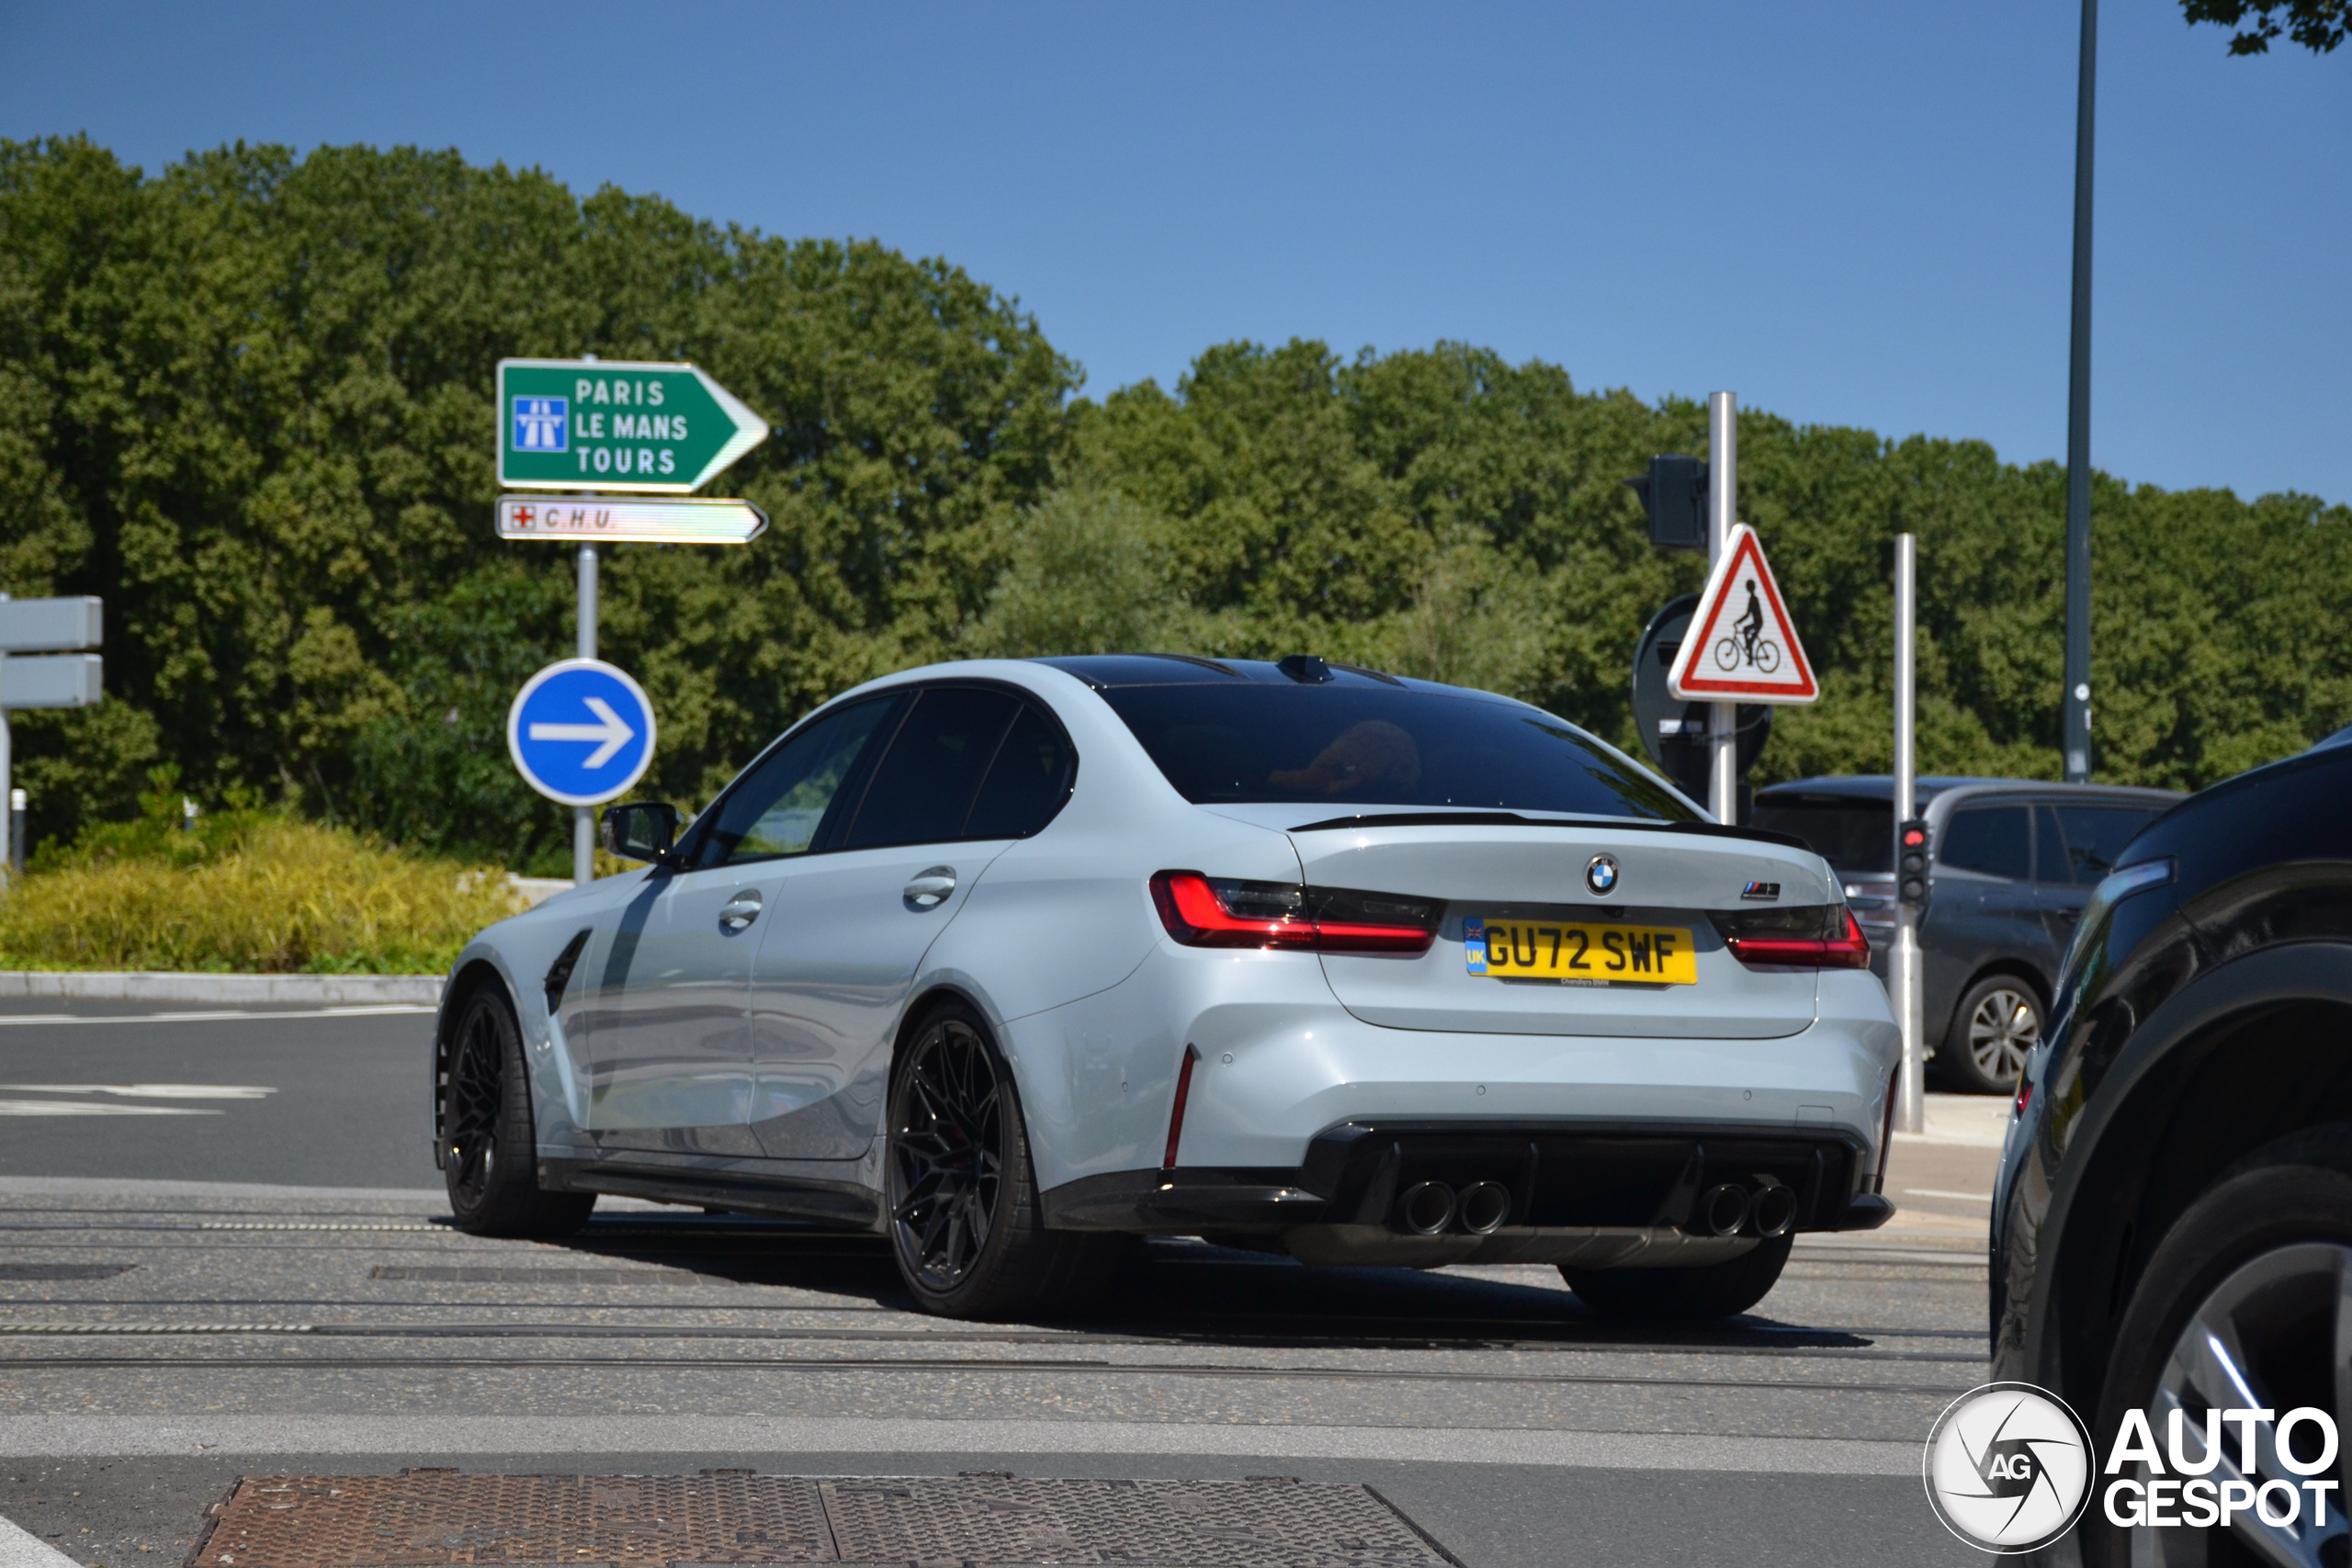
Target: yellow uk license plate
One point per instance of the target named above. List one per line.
(1549, 949)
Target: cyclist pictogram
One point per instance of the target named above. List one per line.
(1742, 646)
(1748, 645)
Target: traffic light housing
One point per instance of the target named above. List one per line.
(1911, 862)
(1674, 493)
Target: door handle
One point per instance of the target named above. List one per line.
(930, 889)
(739, 911)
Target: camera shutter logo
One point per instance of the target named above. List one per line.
(2008, 1467)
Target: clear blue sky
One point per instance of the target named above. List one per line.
(1849, 213)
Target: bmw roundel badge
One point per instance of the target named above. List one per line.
(1600, 876)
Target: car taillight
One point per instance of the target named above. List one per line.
(1206, 911)
(1816, 936)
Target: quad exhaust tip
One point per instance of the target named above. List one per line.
(1427, 1208)
(1774, 1210)
(1483, 1207)
(1728, 1209)
(1722, 1209)
(1432, 1208)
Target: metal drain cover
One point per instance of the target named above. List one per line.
(430, 1518)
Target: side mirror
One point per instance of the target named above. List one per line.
(641, 830)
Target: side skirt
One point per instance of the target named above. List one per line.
(845, 1204)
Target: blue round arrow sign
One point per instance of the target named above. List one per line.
(581, 732)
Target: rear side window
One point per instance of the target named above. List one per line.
(1994, 840)
(779, 805)
(2049, 848)
(1327, 746)
(1027, 782)
(2095, 836)
(927, 781)
(1852, 836)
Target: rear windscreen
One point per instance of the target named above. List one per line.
(1353, 745)
(1851, 835)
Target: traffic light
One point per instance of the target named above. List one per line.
(1911, 862)
(1674, 493)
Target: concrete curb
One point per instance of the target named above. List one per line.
(304, 990)
(58, 1437)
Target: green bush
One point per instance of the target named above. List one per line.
(243, 891)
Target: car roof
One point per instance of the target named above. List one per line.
(1868, 787)
(1107, 671)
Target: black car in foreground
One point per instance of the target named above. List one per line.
(2014, 861)
(2172, 1219)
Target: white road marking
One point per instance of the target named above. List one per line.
(151, 1090)
(91, 1107)
(1907, 1192)
(380, 1010)
(21, 1548)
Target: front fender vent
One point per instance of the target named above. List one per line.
(560, 972)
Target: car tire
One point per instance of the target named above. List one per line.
(489, 1155)
(1994, 1027)
(1682, 1295)
(967, 1227)
(2260, 1263)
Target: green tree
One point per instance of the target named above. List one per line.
(2317, 25)
(248, 401)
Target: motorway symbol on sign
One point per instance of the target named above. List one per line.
(617, 425)
(613, 521)
(580, 731)
(1742, 646)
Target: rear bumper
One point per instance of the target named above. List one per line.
(1602, 1194)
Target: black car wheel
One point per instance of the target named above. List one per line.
(2246, 1304)
(1714, 1290)
(1995, 1025)
(489, 1152)
(966, 1228)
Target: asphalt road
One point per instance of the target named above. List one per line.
(267, 1287)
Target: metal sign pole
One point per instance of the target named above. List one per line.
(583, 818)
(1903, 964)
(1722, 495)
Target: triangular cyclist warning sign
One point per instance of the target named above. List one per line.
(1741, 646)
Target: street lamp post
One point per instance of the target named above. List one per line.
(2076, 703)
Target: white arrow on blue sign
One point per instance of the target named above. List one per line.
(580, 731)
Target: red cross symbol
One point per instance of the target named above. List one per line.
(523, 516)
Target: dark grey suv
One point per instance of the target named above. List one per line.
(2014, 861)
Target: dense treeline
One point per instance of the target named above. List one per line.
(249, 402)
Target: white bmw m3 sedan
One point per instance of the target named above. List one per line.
(1013, 960)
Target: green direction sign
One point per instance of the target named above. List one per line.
(609, 425)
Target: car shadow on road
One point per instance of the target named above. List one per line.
(1181, 1291)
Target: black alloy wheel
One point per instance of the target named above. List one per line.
(947, 1155)
(966, 1228)
(2246, 1304)
(488, 1146)
(477, 1102)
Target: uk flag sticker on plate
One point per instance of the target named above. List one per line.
(1474, 945)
